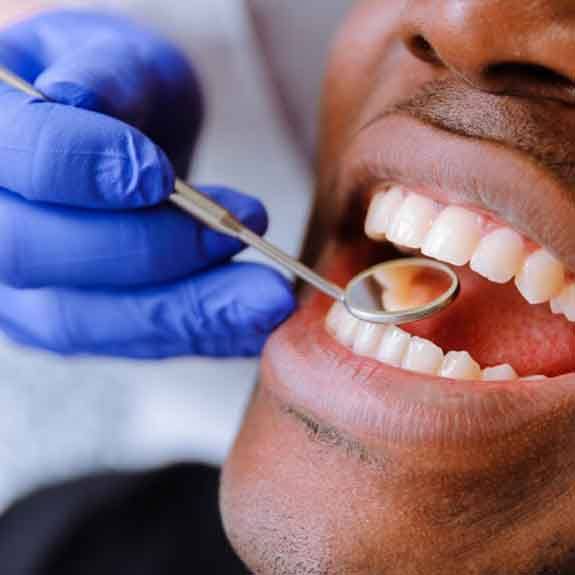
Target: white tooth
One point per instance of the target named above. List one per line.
(413, 221)
(334, 316)
(422, 356)
(541, 278)
(382, 209)
(556, 304)
(460, 365)
(393, 346)
(565, 302)
(454, 236)
(569, 303)
(403, 288)
(367, 338)
(346, 328)
(499, 373)
(395, 300)
(499, 255)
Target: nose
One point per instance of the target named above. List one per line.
(500, 46)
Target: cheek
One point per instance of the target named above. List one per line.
(356, 55)
(291, 505)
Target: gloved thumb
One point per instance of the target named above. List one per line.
(64, 155)
(229, 311)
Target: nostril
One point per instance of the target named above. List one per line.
(423, 50)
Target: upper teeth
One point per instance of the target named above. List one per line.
(565, 302)
(459, 236)
(454, 236)
(499, 255)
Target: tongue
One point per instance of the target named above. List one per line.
(496, 325)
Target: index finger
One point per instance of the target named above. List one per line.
(65, 155)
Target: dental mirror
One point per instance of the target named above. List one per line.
(395, 292)
(401, 291)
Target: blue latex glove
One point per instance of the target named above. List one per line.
(91, 259)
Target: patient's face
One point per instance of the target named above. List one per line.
(446, 446)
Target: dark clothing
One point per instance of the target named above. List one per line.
(163, 523)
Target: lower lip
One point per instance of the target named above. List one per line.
(306, 369)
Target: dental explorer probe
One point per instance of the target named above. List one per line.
(365, 297)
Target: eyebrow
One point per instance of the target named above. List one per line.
(329, 436)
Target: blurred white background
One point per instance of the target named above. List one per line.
(60, 417)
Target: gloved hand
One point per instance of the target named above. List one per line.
(91, 259)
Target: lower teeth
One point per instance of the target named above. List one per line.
(393, 346)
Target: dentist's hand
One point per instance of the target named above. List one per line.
(91, 258)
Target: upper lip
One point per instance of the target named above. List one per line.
(397, 148)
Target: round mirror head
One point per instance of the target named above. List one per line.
(401, 291)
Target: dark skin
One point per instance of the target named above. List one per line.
(313, 495)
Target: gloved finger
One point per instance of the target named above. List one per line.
(153, 89)
(107, 75)
(107, 63)
(229, 311)
(115, 76)
(64, 155)
(98, 57)
(42, 245)
(20, 60)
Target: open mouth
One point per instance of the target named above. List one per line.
(500, 357)
(504, 274)
(494, 216)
